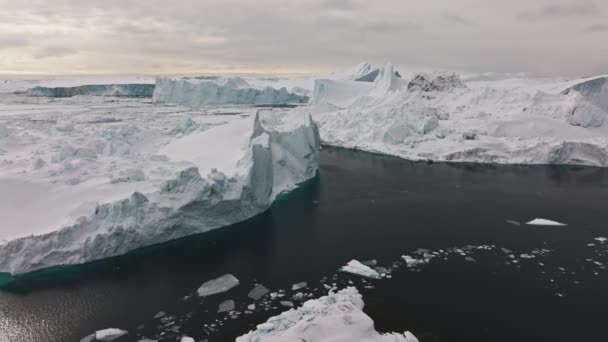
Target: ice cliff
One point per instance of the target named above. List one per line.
(224, 90)
(337, 317)
(228, 174)
(124, 90)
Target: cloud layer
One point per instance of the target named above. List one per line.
(566, 37)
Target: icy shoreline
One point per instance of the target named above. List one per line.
(255, 160)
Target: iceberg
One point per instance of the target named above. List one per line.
(123, 90)
(337, 317)
(224, 90)
(357, 268)
(544, 222)
(443, 117)
(109, 335)
(209, 179)
(219, 285)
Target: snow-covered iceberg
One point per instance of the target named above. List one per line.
(222, 175)
(337, 317)
(123, 90)
(223, 90)
(440, 116)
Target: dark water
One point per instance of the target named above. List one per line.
(363, 206)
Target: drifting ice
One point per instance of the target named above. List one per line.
(219, 285)
(355, 267)
(337, 317)
(544, 222)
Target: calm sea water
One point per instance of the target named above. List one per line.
(363, 206)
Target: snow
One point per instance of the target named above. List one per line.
(218, 285)
(226, 90)
(106, 177)
(441, 117)
(544, 222)
(108, 335)
(337, 317)
(355, 267)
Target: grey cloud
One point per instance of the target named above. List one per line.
(53, 51)
(596, 28)
(453, 18)
(12, 41)
(561, 11)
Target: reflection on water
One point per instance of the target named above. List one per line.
(362, 206)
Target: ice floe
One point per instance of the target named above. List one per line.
(218, 285)
(357, 268)
(544, 222)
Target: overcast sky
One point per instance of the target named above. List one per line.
(565, 37)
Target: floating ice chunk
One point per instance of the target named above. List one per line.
(89, 338)
(470, 259)
(251, 307)
(287, 303)
(186, 339)
(225, 306)
(335, 317)
(544, 222)
(160, 314)
(601, 239)
(108, 335)
(413, 262)
(355, 267)
(513, 222)
(219, 285)
(299, 286)
(258, 292)
(147, 340)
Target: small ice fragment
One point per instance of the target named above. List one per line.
(88, 338)
(515, 223)
(160, 314)
(506, 251)
(251, 307)
(186, 339)
(299, 286)
(219, 285)
(258, 292)
(108, 335)
(287, 303)
(370, 263)
(227, 305)
(470, 259)
(601, 239)
(412, 262)
(559, 294)
(544, 222)
(357, 268)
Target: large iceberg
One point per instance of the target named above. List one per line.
(223, 175)
(337, 317)
(123, 90)
(441, 116)
(223, 90)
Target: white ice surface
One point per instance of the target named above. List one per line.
(110, 175)
(110, 334)
(514, 120)
(355, 267)
(544, 222)
(219, 285)
(337, 317)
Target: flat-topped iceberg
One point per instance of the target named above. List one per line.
(123, 90)
(337, 317)
(224, 175)
(223, 90)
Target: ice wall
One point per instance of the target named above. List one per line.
(232, 90)
(125, 90)
(258, 159)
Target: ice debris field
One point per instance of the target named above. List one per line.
(86, 162)
(93, 167)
